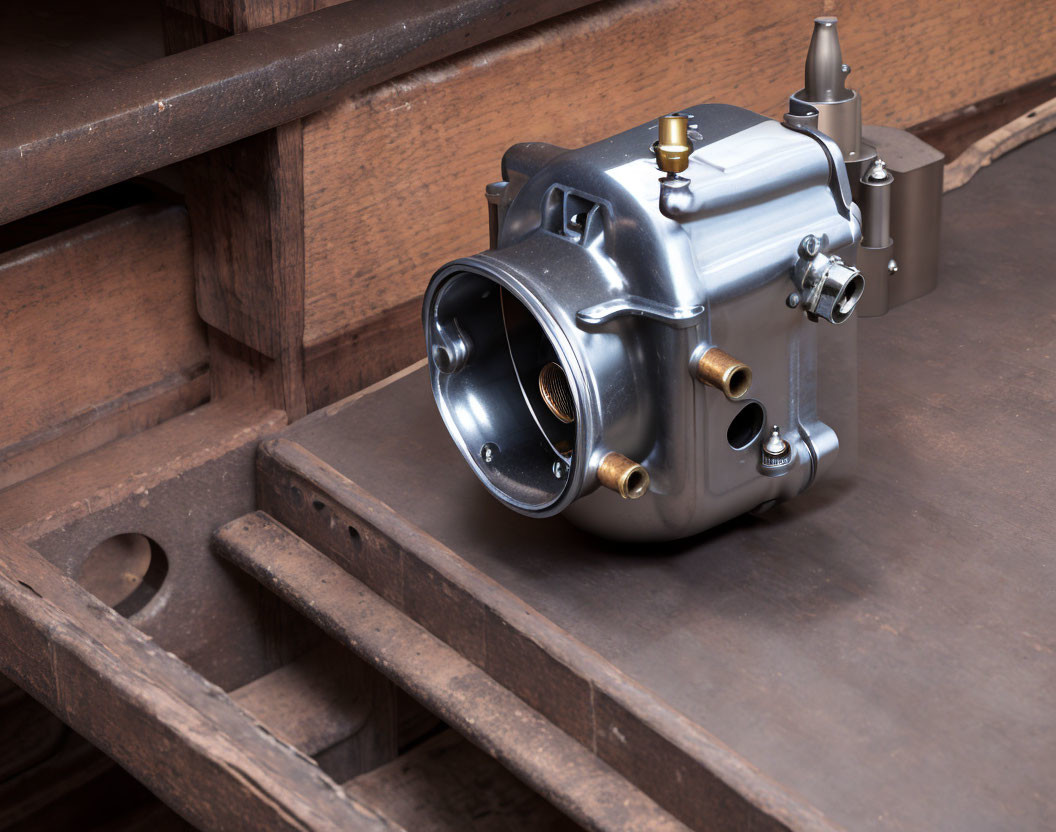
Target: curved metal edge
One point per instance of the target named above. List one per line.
(683, 317)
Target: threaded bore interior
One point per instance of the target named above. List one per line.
(553, 386)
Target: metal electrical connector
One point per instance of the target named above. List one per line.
(830, 288)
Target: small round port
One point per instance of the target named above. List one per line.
(746, 426)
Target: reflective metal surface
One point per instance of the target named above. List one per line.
(618, 284)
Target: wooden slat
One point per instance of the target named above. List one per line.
(468, 699)
(134, 465)
(375, 232)
(51, 43)
(447, 785)
(311, 703)
(174, 483)
(330, 705)
(101, 336)
(245, 202)
(177, 733)
(87, 136)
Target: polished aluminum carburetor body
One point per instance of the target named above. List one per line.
(684, 339)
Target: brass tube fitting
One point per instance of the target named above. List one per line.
(722, 370)
(624, 476)
(673, 147)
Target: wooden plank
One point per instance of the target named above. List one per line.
(245, 202)
(178, 734)
(98, 321)
(311, 703)
(468, 699)
(881, 647)
(135, 465)
(955, 131)
(330, 705)
(52, 43)
(129, 414)
(447, 785)
(1037, 122)
(376, 234)
(372, 351)
(60, 147)
(173, 484)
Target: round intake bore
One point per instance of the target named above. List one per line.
(722, 370)
(624, 476)
(553, 387)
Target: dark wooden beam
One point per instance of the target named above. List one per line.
(86, 136)
(175, 732)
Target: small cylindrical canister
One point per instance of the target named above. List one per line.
(876, 207)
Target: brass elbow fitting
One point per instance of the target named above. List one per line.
(722, 370)
(624, 476)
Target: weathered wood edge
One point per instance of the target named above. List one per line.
(82, 137)
(442, 679)
(1031, 125)
(619, 713)
(180, 735)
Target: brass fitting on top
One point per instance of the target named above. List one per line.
(673, 147)
(624, 476)
(722, 370)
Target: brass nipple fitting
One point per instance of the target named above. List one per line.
(673, 147)
(624, 476)
(722, 370)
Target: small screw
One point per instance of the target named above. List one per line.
(793, 300)
(488, 452)
(810, 246)
(879, 169)
(892, 266)
(559, 470)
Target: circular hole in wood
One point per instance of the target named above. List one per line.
(124, 572)
(357, 541)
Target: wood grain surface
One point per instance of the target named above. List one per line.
(882, 648)
(177, 733)
(97, 320)
(174, 484)
(447, 785)
(52, 43)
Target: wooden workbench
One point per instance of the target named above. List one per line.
(877, 654)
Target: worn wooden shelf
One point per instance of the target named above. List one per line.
(877, 654)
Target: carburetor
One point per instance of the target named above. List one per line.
(662, 334)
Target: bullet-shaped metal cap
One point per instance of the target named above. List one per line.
(673, 147)
(825, 73)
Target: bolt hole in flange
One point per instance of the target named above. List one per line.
(442, 359)
(746, 426)
(125, 572)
